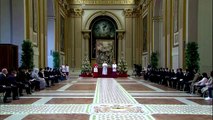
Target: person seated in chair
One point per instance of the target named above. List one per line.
(5, 86)
(14, 84)
(209, 87)
(23, 81)
(202, 83)
(42, 82)
(188, 76)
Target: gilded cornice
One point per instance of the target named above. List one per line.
(105, 2)
(128, 12)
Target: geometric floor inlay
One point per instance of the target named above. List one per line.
(117, 109)
(106, 99)
(44, 109)
(109, 91)
(121, 117)
(180, 109)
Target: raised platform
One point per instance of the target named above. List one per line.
(109, 74)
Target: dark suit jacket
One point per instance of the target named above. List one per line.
(3, 80)
(40, 74)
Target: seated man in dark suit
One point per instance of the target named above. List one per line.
(180, 77)
(186, 81)
(12, 79)
(23, 81)
(5, 85)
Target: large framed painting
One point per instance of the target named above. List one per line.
(176, 39)
(35, 15)
(35, 22)
(145, 34)
(35, 39)
(62, 36)
(176, 23)
(176, 9)
(104, 51)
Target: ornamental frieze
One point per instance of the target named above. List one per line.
(102, 1)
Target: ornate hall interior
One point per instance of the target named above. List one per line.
(106, 31)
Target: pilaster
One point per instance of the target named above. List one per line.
(120, 39)
(86, 36)
(79, 44)
(129, 37)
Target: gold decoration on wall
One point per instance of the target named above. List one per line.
(63, 3)
(137, 12)
(78, 12)
(64, 6)
(86, 35)
(120, 35)
(145, 34)
(35, 15)
(128, 12)
(102, 1)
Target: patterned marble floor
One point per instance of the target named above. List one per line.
(107, 99)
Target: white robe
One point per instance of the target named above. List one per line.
(67, 68)
(63, 68)
(104, 71)
(114, 67)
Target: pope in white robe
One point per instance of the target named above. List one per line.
(104, 71)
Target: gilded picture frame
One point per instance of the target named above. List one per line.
(145, 27)
(176, 21)
(176, 39)
(35, 15)
(62, 34)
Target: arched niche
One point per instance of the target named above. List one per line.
(97, 23)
